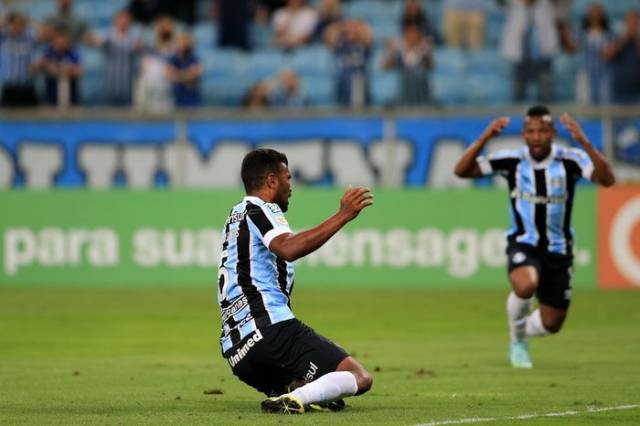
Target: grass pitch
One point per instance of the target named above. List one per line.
(148, 356)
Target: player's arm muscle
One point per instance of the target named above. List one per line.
(602, 173)
(291, 246)
(467, 166)
(294, 246)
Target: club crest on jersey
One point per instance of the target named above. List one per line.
(519, 257)
(281, 220)
(274, 208)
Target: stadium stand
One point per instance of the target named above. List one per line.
(458, 76)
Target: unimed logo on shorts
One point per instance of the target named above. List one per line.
(619, 237)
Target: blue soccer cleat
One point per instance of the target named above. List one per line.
(519, 354)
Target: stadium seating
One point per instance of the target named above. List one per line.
(265, 63)
(459, 76)
(449, 88)
(313, 61)
(487, 61)
(565, 69)
(450, 60)
(372, 11)
(318, 89)
(205, 35)
(384, 88)
(488, 88)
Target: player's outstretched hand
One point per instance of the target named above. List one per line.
(354, 200)
(495, 128)
(574, 129)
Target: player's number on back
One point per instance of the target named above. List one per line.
(223, 278)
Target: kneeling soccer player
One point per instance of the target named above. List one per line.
(265, 345)
(542, 180)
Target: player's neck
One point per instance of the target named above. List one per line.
(541, 159)
(542, 156)
(263, 195)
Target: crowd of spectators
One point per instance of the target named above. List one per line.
(40, 62)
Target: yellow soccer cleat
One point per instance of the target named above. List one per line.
(284, 404)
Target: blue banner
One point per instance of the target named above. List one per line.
(208, 153)
(450, 136)
(626, 140)
(67, 139)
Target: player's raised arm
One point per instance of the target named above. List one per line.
(602, 173)
(467, 166)
(294, 246)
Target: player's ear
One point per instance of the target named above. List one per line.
(271, 180)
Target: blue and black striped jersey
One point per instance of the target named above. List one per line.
(541, 193)
(254, 284)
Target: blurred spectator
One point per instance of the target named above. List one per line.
(285, 92)
(594, 81)
(62, 68)
(165, 36)
(121, 49)
(147, 11)
(464, 22)
(624, 55)
(562, 10)
(184, 70)
(266, 8)
(153, 86)
(328, 13)
(294, 24)
(281, 91)
(412, 55)
(17, 50)
(414, 14)
(184, 11)
(350, 42)
(529, 42)
(234, 23)
(257, 96)
(65, 21)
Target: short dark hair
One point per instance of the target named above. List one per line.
(603, 21)
(538, 111)
(257, 164)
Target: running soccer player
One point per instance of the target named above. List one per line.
(265, 345)
(542, 180)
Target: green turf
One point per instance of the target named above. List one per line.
(100, 356)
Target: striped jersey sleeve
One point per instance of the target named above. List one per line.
(498, 162)
(580, 161)
(269, 219)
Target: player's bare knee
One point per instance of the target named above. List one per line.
(524, 281)
(524, 288)
(553, 325)
(525, 292)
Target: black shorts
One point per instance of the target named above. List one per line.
(283, 355)
(554, 273)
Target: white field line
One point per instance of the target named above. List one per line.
(530, 416)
